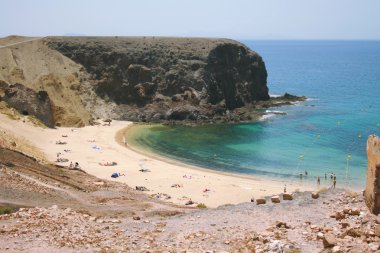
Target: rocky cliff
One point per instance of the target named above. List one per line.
(153, 79)
(372, 190)
(29, 102)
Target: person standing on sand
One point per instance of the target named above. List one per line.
(319, 181)
(334, 182)
(285, 188)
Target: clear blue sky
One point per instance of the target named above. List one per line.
(238, 19)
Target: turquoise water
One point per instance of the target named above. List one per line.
(322, 135)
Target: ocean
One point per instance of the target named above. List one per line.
(323, 135)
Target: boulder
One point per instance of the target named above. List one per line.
(287, 196)
(260, 201)
(372, 189)
(329, 240)
(275, 199)
(315, 195)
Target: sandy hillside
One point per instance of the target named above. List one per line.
(35, 65)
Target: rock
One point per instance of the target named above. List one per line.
(329, 240)
(354, 232)
(345, 224)
(320, 235)
(315, 195)
(260, 201)
(374, 247)
(136, 218)
(346, 210)
(336, 249)
(275, 199)
(372, 189)
(355, 211)
(252, 199)
(115, 221)
(340, 216)
(30, 102)
(377, 230)
(287, 196)
(280, 224)
(132, 72)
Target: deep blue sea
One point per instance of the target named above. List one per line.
(326, 134)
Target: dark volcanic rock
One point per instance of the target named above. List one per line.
(147, 76)
(30, 102)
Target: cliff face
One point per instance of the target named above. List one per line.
(372, 190)
(29, 102)
(149, 79)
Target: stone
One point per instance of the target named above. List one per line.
(320, 235)
(280, 224)
(287, 196)
(345, 224)
(275, 199)
(329, 240)
(315, 195)
(340, 216)
(372, 189)
(260, 201)
(354, 232)
(377, 230)
(252, 199)
(355, 211)
(336, 249)
(374, 247)
(136, 218)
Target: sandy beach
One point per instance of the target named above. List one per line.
(92, 146)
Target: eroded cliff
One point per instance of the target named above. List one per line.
(153, 79)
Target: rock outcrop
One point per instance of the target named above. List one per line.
(30, 102)
(153, 79)
(372, 190)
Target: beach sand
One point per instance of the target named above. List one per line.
(92, 145)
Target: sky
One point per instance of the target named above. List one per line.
(236, 19)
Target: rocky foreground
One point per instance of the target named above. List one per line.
(80, 213)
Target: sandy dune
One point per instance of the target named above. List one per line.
(92, 145)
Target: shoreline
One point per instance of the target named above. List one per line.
(92, 145)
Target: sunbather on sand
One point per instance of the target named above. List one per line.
(108, 164)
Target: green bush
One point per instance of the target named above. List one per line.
(201, 205)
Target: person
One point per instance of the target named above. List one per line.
(319, 181)
(305, 172)
(71, 165)
(301, 176)
(285, 188)
(76, 166)
(334, 183)
(325, 176)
